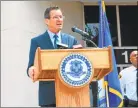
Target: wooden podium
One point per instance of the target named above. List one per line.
(47, 63)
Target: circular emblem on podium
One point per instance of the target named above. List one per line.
(76, 70)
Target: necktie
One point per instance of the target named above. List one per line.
(55, 40)
(137, 83)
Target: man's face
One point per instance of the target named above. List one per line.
(134, 58)
(55, 23)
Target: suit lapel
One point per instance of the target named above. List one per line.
(63, 39)
(47, 43)
(46, 39)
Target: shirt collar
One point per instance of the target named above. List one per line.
(51, 34)
(133, 67)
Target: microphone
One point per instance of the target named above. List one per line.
(85, 35)
(77, 30)
(62, 46)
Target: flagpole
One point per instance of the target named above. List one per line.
(106, 90)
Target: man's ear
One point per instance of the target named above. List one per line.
(130, 60)
(46, 21)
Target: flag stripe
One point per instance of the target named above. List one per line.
(116, 93)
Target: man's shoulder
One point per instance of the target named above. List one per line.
(37, 37)
(126, 70)
(67, 35)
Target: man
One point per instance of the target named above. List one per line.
(54, 21)
(129, 82)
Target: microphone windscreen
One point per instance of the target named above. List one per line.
(73, 29)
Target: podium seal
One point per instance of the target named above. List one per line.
(75, 70)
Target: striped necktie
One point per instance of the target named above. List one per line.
(55, 40)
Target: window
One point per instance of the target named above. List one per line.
(92, 18)
(129, 25)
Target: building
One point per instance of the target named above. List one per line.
(22, 20)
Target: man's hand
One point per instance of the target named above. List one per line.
(77, 46)
(31, 72)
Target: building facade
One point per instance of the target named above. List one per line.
(23, 20)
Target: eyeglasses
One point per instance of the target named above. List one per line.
(58, 17)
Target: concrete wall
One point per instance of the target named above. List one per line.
(20, 21)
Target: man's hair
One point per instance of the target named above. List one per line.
(48, 10)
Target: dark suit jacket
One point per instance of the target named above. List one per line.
(47, 89)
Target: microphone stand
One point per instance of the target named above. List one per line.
(89, 40)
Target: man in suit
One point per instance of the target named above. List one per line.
(54, 21)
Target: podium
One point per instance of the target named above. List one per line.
(72, 70)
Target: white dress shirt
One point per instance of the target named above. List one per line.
(51, 35)
(128, 82)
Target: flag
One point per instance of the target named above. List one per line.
(101, 94)
(112, 88)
